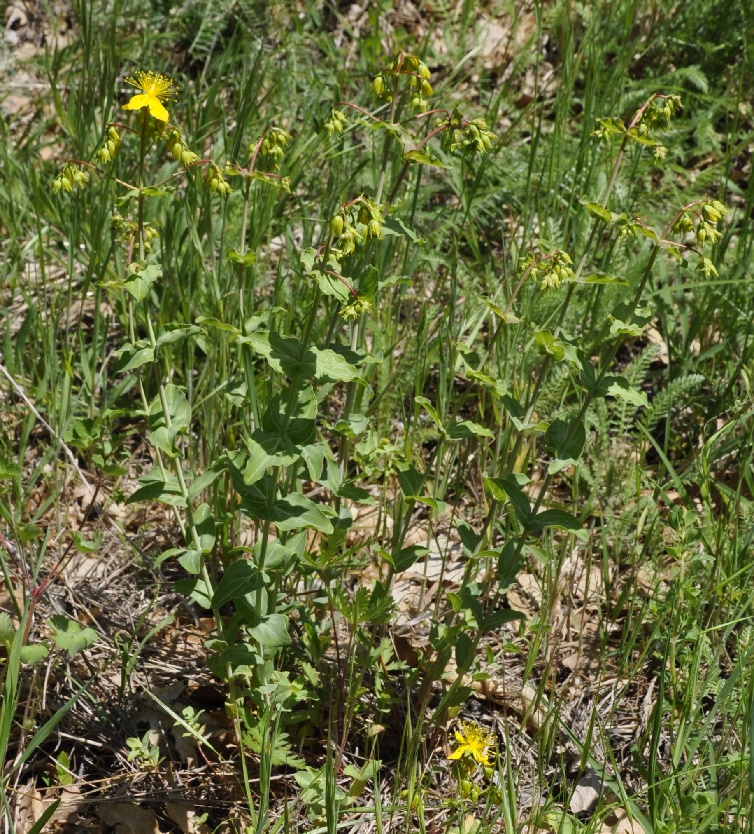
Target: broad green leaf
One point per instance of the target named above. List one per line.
(153, 488)
(157, 190)
(291, 415)
(210, 321)
(34, 653)
(332, 365)
(406, 557)
(464, 652)
(239, 579)
(623, 323)
(395, 226)
(411, 482)
(432, 411)
(425, 158)
(466, 428)
(619, 387)
(599, 211)
(561, 519)
(141, 276)
(129, 357)
(507, 317)
(565, 438)
(70, 636)
(169, 336)
(272, 632)
(191, 561)
(205, 527)
(508, 487)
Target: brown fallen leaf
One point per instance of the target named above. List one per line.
(128, 818)
(183, 815)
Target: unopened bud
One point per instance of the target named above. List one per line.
(336, 226)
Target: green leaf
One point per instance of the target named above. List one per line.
(507, 317)
(156, 190)
(424, 158)
(191, 561)
(291, 512)
(291, 415)
(211, 321)
(153, 488)
(395, 226)
(34, 653)
(466, 428)
(565, 438)
(272, 632)
(411, 482)
(8, 469)
(561, 519)
(464, 652)
(619, 387)
(432, 411)
(129, 357)
(406, 557)
(239, 579)
(205, 527)
(329, 283)
(547, 343)
(70, 636)
(599, 211)
(602, 278)
(141, 276)
(169, 336)
(206, 479)
(496, 619)
(621, 325)
(249, 259)
(333, 366)
(508, 487)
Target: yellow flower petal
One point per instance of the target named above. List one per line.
(137, 102)
(456, 754)
(157, 110)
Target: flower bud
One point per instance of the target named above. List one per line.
(336, 226)
(378, 86)
(375, 230)
(364, 215)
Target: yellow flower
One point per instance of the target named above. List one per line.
(155, 89)
(473, 741)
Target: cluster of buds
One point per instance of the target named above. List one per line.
(356, 224)
(550, 270)
(336, 122)
(468, 137)
(355, 309)
(178, 149)
(272, 149)
(659, 112)
(217, 182)
(128, 229)
(69, 179)
(419, 80)
(701, 219)
(110, 145)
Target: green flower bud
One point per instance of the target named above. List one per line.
(375, 230)
(378, 86)
(364, 215)
(336, 225)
